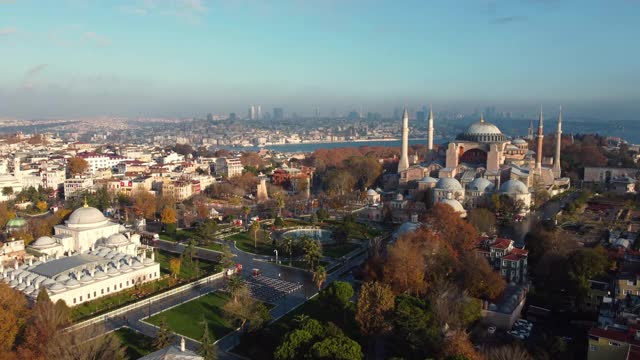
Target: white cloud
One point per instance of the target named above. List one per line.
(8, 31)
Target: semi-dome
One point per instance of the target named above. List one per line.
(116, 240)
(44, 241)
(448, 184)
(480, 184)
(514, 187)
(72, 283)
(85, 216)
(455, 205)
(482, 131)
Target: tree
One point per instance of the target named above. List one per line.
(405, 267)
(416, 331)
(338, 348)
(322, 214)
(168, 216)
(7, 191)
(42, 205)
(234, 286)
(584, 265)
(319, 276)
(457, 343)
(12, 316)
(174, 267)
(5, 214)
(164, 337)
(337, 295)
(43, 296)
(255, 227)
(482, 219)
(312, 251)
(77, 165)
(246, 211)
(206, 230)
(145, 204)
(207, 348)
(479, 279)
(278, 222)
(226, 257)
(286, 245)
(374, 308)
(246, 311)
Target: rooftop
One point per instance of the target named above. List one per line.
(55, 267)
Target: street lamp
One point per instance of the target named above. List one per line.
(276, 251)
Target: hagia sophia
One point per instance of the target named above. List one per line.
(482, 161)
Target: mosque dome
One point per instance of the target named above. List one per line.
(455, 205)
(482, 131)
(86, 216)
(448, 184)
(405, 228)
(125, 268)
(99, 275)
(480, 184)
(16, 223)
(116, 240)
(519, 141)
(428, 179)
(514, 187)
(57, 287)
(371, 192)
(44, 241)
(72, 283)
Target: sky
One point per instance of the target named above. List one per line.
(189, 57)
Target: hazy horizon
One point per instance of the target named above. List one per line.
(185, 58)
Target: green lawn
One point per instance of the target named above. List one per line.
(261, 344)
(215, 246)
(188, 271)
(180, 235)
(244, 241)
(185, 319)
(137, 345)
(339, 250)
(118, 299)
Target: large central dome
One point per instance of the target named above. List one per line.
(482, 131)
(86, 216)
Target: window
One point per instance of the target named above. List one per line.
(120, 285)
(627, 292)
(94, 294)
(107, 289)
(74, 300)
(101, 291)
(88, 296)
(505, 263)
(127, 282)
(80, 297)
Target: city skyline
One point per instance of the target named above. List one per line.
(185, 58)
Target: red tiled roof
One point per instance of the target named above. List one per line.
(617, 335)
(501, 243)
(513, 257)
(520, 251)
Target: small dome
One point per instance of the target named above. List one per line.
(57, 287)
(405, 228)
(371, 192)
(136, 264)
(448, 184)
(148, 261)
(86, 278)
(519, 141)
(481, 184)
(99, 275)
(399, 197)
(14, 283)
(86, 216)
(455, 205)
(428, 179)
(514, 187)
(21, 286)
(62, 278)
(16, 223)
(112, 271)
(125, 268)
(116, 240)
(44, 241)
(72, 283)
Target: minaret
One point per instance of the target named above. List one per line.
(530, 134)
(404, 157)
(540, 136)
(430, 141)
(557, 171)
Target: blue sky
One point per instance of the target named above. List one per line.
(189, 57)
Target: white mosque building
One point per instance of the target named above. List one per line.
(101, 260)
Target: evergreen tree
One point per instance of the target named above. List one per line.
(207, 348)
(164, 337)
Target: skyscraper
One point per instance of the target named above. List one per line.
(252, 113)
(258, 113)
(557, 171)
(404, 157)
(540, 136)
(278, 114)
